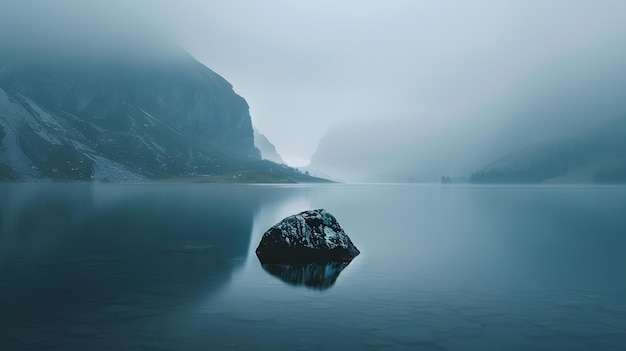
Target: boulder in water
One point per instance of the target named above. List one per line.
(309, 236)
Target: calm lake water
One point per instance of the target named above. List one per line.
(172, 267)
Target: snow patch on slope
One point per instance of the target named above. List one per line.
(109, 171)
(11, 152)
(41, 122)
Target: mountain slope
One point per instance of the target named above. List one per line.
(268, 150)
(598, 155)
(124, 113)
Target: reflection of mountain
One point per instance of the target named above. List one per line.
(110, 257)
(314, 275)
(42, 221)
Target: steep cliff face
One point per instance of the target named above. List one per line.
(126, 115)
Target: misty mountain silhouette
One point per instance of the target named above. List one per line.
(596, 156)
(140, 110)
(268, 150)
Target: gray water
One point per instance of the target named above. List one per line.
(172, 267)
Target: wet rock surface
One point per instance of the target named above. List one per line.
(309, 236)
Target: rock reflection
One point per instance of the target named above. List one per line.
(313, 275)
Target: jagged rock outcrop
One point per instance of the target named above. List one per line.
(309, 236)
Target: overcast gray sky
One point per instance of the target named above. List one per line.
(423, 66)
(304, 66)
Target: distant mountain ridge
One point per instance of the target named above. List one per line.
(267, 149)
(143, 113)
(597, 156)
